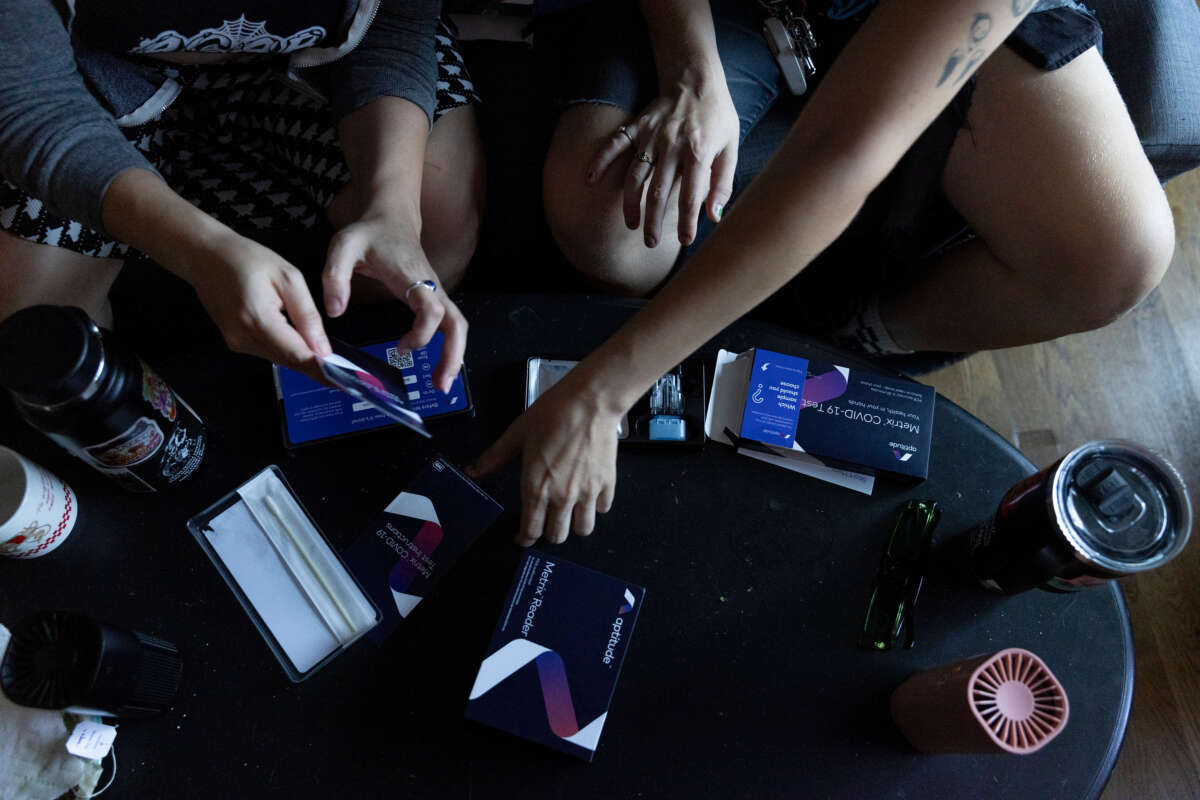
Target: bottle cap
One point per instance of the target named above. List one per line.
(1125, 507)
(49, 354)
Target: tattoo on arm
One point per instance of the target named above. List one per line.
(974, 60)
(952, 63)
(981, 26)
(961, 62)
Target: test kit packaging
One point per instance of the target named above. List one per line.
(417, 539)
(831, 421)
(280, 567)
(378, 386)
(556, 653)
(671, 414)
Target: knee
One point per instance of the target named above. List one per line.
(450, 225)
(588, 225)
(1110, 272)
(576, 217)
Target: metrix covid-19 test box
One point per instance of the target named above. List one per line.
(414, 543)
(556, 653)
(837, 423)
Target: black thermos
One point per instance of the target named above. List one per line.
(87, 392)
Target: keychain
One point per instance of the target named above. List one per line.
(791, 40)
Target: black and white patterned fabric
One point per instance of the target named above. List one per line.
(239, 143)
(454, 86)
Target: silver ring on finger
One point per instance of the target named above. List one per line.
(430, 285)
(645, 158)
(625, 130)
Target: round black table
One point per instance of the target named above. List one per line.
(742, 680)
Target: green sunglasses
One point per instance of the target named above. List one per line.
(900, 576)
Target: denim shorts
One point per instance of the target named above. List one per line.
(599, 52)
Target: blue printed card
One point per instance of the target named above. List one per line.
(773, 398)
(313, 412)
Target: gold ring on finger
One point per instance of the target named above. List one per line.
(645, 158)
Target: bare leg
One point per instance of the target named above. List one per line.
(452, 190)
(32, 274)
(586, 220)
(1073, 226)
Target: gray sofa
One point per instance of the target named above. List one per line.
(1152, 48)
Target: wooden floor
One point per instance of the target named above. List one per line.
(1137, 379)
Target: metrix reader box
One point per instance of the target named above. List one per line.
(853, 422)
(421, 533)
(555, 655)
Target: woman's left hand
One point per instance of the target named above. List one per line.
(389, 251)
(689, 138)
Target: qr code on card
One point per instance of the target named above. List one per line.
(400, 359)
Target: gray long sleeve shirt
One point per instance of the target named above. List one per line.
(66, 92)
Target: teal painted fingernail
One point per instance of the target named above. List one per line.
(718, 210)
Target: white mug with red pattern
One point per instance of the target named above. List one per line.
(37, 508)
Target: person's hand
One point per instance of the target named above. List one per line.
(248, 289)
(689, 138)
(390, 252)
(568, 447)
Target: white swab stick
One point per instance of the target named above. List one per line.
(292, 572)
(273, 507)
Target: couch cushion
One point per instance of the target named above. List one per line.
(1152, 48)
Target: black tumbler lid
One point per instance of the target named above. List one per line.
(49, 354)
